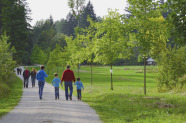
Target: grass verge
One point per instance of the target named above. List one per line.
(9, 99)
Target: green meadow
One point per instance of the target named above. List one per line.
(127, 102)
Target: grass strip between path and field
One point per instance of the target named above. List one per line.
(9, 100)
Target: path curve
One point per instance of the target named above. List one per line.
(48, 110)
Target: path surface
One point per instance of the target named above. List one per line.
(48, 110)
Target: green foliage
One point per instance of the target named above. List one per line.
(74, 49)
(6, 59)
(38, 55)
(88, 11)
(59, 25)
(146, 28)
(182, 81)
(76, 7)
(59, 39)
(14, 17)
(109, 41)
(10, 86)
(45, 38)
(43, 33)
(176, 20)
(57, 58)
(171, 67)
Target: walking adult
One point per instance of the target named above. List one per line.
(26, 75)
(40, 76)
(20, 70)
(68, 77)
(33, 77)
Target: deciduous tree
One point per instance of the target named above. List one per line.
(150, 36)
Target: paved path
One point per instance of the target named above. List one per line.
(48, 110)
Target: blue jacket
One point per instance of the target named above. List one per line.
(56, 82)
(41, 75)
(79, 84)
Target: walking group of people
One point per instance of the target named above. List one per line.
(67, 76)
(19, 70)
(26, 76)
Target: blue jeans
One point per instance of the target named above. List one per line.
(56, 92)
(68, 84)
(33, 81)
(41, 86)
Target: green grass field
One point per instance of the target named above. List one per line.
(10, 96)
(127, 102)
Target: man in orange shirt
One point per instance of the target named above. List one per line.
(68, 77)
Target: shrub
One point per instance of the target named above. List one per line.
(182, 81)
(6, 65)
(171, 67)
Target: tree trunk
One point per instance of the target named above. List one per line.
(91, 72)
(48, 69)
(111, 78)
(145, 75)
(78, 70)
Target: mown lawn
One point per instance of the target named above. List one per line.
(10, 94)
(127, 103)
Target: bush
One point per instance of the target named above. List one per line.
(182, 81)
(171, 67)
(6, 65)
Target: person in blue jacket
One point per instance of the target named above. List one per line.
(55, 82)
(79, 86)
(40, 76)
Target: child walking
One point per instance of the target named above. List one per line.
(79, 85)
(55, 82)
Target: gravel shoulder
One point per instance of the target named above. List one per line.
(48, 110)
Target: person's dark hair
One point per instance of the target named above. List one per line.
(55, 74)
(42, 67)
(78, 79)
(68, 66)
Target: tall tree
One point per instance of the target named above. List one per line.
(76, 7)
(69, 25)
(59, 25)
(1, 5)
(45, 38)
(87, 11)
(38, 56)
(6, 61)
(58, 39)
(151, 30)
(57, 58)
(51, 20)
(176, 20)
(43, 33)
(109, 43)
(14, 18)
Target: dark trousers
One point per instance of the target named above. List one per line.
(68, 84)
(79, 94)
(25, 82)
(41, 86)
(56, 92)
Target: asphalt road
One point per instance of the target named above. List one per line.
(48, 110)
